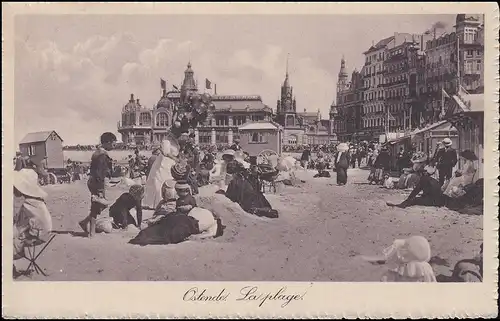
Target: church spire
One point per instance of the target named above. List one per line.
(286, 83)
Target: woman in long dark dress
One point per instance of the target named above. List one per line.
(241, 191)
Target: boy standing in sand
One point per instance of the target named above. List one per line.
(100, 167)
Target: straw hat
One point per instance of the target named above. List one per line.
(26, 182)
(430, 169)
(447, 142)
(182, 185)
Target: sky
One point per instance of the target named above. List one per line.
(74, 73)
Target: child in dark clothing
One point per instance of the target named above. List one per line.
(101, 166)
(186, 202)
(120, 210)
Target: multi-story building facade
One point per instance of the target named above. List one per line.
(346, 111)
(146, 126)
(300, 128)
(453, 59)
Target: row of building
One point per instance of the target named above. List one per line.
(406, 80)
(141, 125)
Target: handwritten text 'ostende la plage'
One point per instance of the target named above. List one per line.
(247, 293)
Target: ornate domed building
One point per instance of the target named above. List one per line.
(143, 126)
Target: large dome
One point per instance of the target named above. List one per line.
(132, 105)
(164, 102)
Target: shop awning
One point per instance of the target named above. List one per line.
(443, 125)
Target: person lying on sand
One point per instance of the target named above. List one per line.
(469, 270)
(208, 223)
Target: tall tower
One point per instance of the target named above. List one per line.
(287, 99)
(343, 77)
(189, 84)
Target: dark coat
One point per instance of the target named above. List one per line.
(343, 162)
(383, 160)
(171, 229)
(447, 158)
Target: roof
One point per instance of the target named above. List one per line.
(381, 44)
(38, 137)
(240, 103)
(470, 103)
(258, 125)
(445, 124)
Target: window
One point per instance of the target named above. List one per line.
(257, 117)
(31, 150)
(478, 65)
(205, 137)
(162, 120)
(221, 137)
(292, 140)
(258, 138)
(221, 120)
(239, 120)
(145, 119)
(124, 119)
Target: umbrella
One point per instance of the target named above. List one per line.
(469, 155)
(343, 147)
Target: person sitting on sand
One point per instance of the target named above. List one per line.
(120, 210)
(185, 202)
(469, 270)
(32, 220)
(431, 192)
(408, 261)
(241, 191)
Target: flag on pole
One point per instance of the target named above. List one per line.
(208, 84)
(391, 117)
(163, 84)
(175, 87)
(215, 89)
(445, 94)
(422, 120)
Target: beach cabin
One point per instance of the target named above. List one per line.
(466, 114)
(39, 145)
(426, 139)
(261, 138)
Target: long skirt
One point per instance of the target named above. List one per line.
(160, 172)
(341, 175)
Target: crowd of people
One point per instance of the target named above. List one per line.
(166, 184)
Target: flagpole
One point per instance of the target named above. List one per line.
(458, 65)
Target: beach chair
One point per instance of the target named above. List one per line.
(32, 253)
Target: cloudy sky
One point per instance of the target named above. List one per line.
(74, 73)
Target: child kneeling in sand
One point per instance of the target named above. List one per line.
(120, 210)
(185, 202)
(168, 204)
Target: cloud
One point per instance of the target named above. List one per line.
(80, 90)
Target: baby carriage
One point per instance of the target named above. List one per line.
(267, 176)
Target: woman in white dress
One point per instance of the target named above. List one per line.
(160, 172)
(455, 187)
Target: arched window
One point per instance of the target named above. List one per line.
(124, 119)
(290, 121)
(131, 119)
(162, 120)
(145, 119)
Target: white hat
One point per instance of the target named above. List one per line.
(343, 147)
(26, 182)
(229, 152)
(430, 169)
(169, 146)
(447, 142)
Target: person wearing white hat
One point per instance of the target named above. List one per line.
(32, 220)
(447, 159)
(342, 162)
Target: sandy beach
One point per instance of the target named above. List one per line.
(321, 232)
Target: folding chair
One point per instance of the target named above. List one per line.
(33, 255)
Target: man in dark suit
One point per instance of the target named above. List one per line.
(447, 159)
(341, 166)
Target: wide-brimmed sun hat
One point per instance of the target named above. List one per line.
(26, 182)
(228, 152)
(429, 169)
(469, 155)
(447, 142)
(343, 147)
